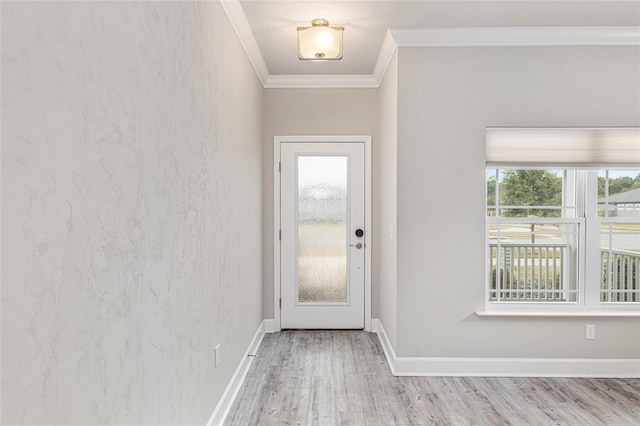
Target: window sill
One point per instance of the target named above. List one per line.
(621, 313)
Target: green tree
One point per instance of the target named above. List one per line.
(491, 191)
(531, 188)
(618, 185)
(621, 184)
(602, 185)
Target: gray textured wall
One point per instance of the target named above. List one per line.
(387, 192)
(131, 211)
(447, 96)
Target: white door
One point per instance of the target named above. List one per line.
(322, 243)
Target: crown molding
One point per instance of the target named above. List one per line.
(320, 81)
(240, 24)
(387, 50)
(427, 37)
(516, 36)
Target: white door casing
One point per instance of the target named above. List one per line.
(333, 307)
(322, 253)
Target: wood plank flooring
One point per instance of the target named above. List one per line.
(342, 378)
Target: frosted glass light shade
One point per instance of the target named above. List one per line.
(320, 42)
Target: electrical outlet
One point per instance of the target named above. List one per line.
(590, 332)
(217, 355)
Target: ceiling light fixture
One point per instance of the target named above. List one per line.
(320, 42)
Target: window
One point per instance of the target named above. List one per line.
(534, 236)
(561, 235)
(619, 224)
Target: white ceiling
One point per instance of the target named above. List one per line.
(273, 24)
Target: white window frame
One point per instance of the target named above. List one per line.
(582, 185)
(600, 220)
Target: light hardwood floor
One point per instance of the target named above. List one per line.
(342, 378)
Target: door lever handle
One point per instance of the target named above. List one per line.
(358, 245)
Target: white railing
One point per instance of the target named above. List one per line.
(619, 281)
(529, 272)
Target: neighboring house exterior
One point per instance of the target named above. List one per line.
(624, 204)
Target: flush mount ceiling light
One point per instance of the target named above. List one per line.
(320, 42)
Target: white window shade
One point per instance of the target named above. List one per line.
(567, 147)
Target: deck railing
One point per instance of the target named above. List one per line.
(619, 276)
(529, 272)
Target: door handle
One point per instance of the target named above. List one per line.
(358, 245)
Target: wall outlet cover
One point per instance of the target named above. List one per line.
(590, 332)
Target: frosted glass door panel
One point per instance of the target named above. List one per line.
(322, 228)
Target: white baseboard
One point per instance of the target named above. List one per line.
(228, 397)
(269, 326)
(375, 325)
(504, 367)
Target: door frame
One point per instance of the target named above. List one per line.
(277, 143)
